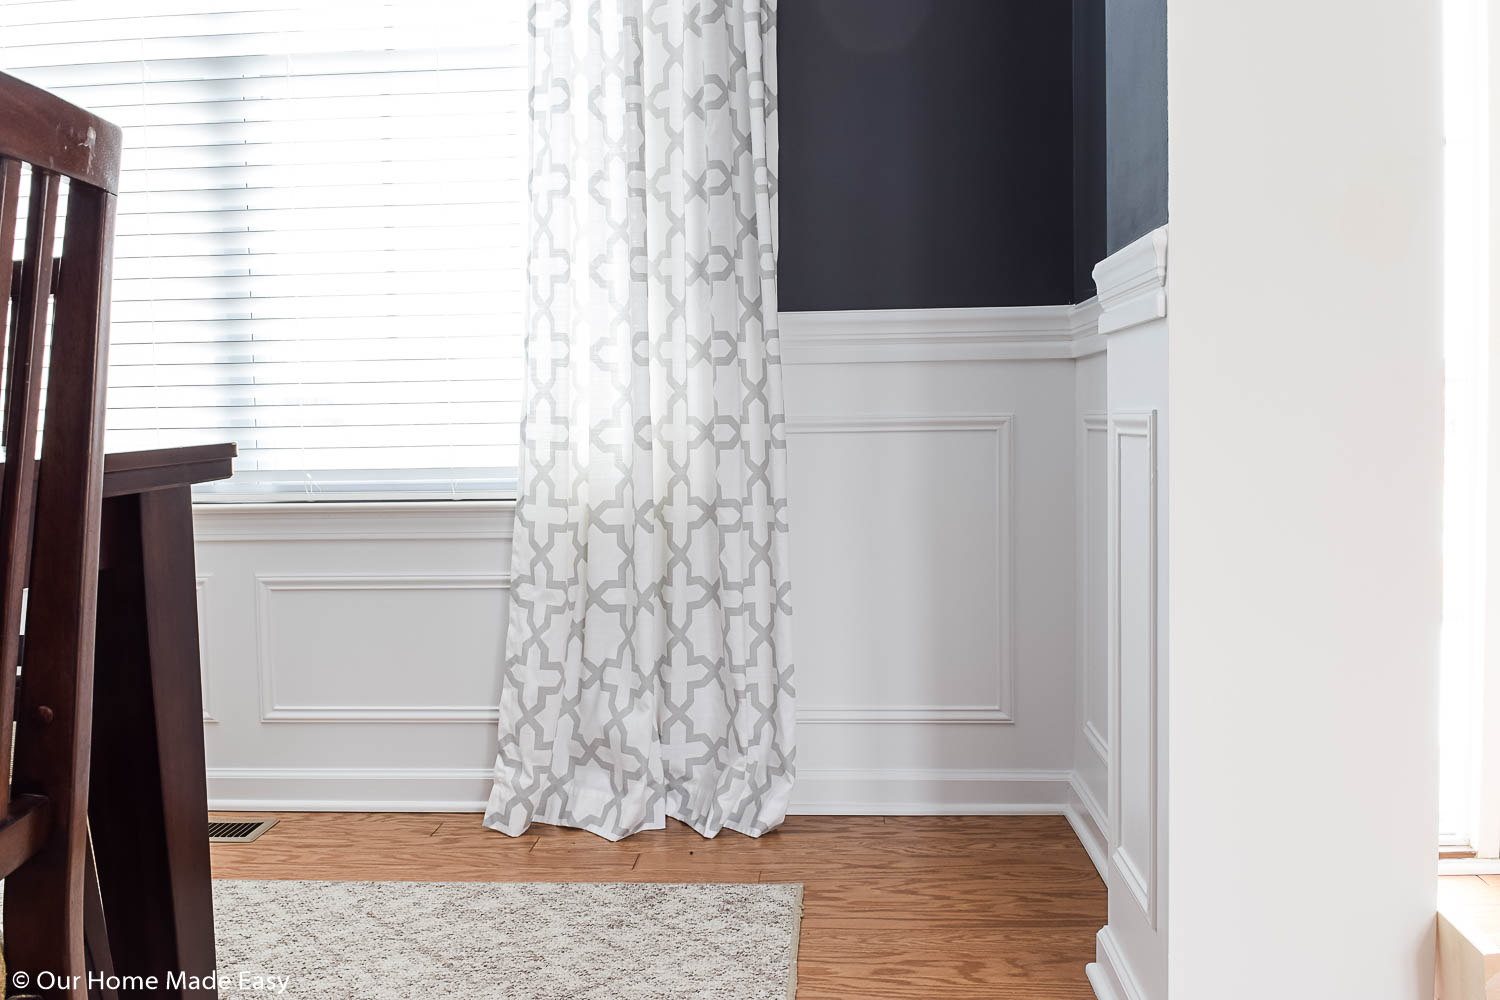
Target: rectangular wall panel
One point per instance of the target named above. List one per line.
(935, 588)
(398, 648)
(1132, 578)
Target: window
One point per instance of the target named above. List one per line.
(1469, 787)
(321, 232)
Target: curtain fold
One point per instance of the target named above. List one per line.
(648, 669)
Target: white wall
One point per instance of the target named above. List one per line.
(352, 653)
(1306, 429)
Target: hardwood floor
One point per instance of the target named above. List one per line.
(912, 907)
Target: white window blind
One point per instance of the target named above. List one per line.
(320, 244)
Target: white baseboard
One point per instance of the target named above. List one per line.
(818, 792)
(1086, 827)
(305, 789)
(1108, 974)
(929, 792)
(1104, 986)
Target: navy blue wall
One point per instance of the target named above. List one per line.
(1135, 72)
(1090, 182)
(965, 152)
(926, 153)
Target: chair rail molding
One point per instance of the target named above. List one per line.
(1001, 333)
(1132, 283)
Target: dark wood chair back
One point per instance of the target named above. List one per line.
(49, 511)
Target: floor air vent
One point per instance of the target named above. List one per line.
(238, 831)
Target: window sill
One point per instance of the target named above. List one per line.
(330, 520)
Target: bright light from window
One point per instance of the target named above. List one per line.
(321, 231)
(1465, 350)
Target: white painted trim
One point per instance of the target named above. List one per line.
(1083, 323)
(1001, 333)
(1092, 422)
(1087, 834)
(271, 710)
(1003, 427)
(204, 673)
(912, 792)
(1141, 883)
(858, 424)
(410, 789)
(929, 792)
(1101, 981)
(1132, 283)
(1095, 742)
(1088, 823)
(1109, 974)
(1468, 866)
(417, 520)
(862, 715)
(1091, 805)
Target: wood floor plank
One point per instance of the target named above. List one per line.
(956, 907)
(909, 960)
(993, 900)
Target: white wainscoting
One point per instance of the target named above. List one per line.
(353, 650)
(1131, 954)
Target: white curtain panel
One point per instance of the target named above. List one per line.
(648, 671)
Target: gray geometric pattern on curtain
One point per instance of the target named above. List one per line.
(648, 670)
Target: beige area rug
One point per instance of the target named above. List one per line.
(510, 940)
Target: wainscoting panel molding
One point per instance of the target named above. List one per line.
(1132, 652)
(319, 630)
(205, 675)
(843, 604)
(1092, 589)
